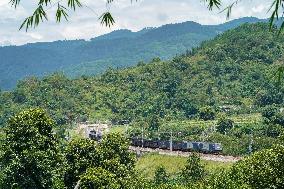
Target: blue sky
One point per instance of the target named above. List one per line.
(84, 24)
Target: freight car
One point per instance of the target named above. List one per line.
(185, 146)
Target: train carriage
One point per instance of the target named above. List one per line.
(136, 142)
(154, 144)
(164, 144)
(186, 146)
(177, 145)
(147, 143)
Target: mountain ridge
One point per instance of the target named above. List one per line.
(118, 49)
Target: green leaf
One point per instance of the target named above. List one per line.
(38, 16)
(107, 19)
(61, 11)
(74, 3)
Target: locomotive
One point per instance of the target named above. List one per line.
(185, 146)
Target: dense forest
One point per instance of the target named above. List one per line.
(234, 74)
(117, 49)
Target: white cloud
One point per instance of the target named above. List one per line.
(145, 13)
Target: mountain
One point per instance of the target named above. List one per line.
(236, 70)
(118, 49)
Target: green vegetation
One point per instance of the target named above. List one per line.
(193, 170)
(261, 170)
(230, 77)
(194, 96)
(223, 91)
(148, 163)
(31, 157)
(161, 176)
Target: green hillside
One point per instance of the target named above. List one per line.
(230, 76)
(235, 70)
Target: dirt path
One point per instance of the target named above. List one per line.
(208, 157)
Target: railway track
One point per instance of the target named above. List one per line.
(208, 157)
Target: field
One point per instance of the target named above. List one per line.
(149, 162)
(237, 119)
(188, 124)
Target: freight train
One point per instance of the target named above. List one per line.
(185, 146)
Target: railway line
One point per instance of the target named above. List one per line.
(208, 157)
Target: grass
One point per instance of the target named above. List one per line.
(188, 124)
(118, 129)
(148, 163)
(247, 118)
(237, 119)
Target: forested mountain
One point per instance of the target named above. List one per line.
(236, 69)
(117, 49)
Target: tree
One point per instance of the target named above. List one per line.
(110, 157)
(161, 176)
(194, 170)
(263, 169)
(80, 154)
(269, 111)
(114, 156)
(31, 158)
(107, 19)
(224, 125)
(98, 178)
(207, 113)
(222, 179)
(273, 115)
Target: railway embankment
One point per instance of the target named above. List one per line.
(208, 157)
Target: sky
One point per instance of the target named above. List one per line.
(84, 23)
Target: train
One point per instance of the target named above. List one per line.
(185, 146)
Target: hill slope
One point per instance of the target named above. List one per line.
(121, 48)
(236, 69)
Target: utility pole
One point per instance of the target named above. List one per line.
(250, 144)
(142, 137)
(125, 130)
(158, 133)
(171, 141)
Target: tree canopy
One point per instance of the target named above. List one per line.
(31, 155)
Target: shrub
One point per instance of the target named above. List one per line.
(207, 113)
(263, 169)
(98, 178)
(161, 176)
(194, 169)
(224, 125)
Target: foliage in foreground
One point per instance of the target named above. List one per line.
(31, 158)
(261, 170)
